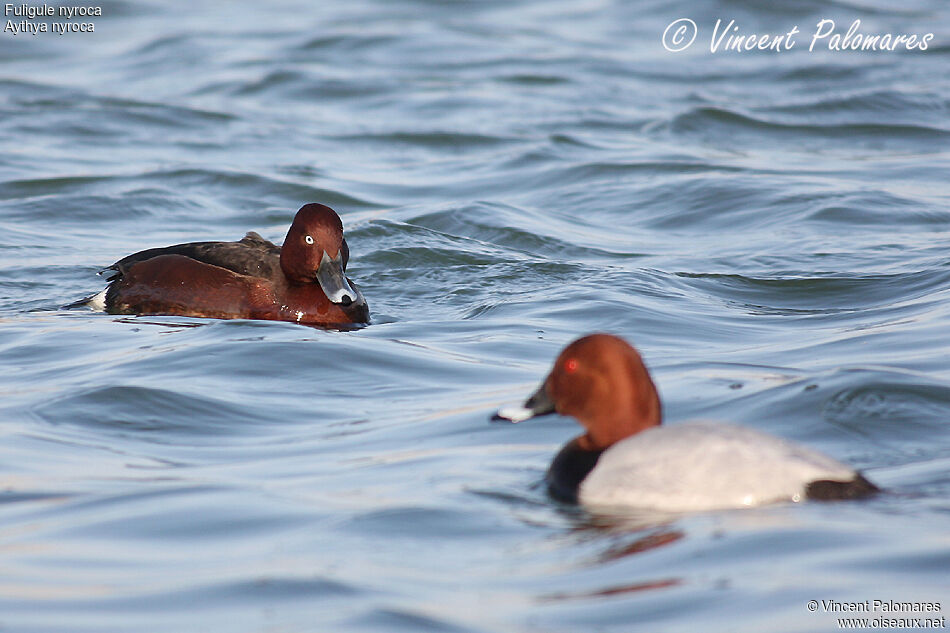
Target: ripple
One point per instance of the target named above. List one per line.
(528, 79)
(885, 105)
(819, 295)
(916, 407)
(135, 409)
(73, 112)
(348, 42)
(396, 619)
(710, 120)
(434, 139)
(421, 523)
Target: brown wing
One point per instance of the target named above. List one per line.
(253, 256)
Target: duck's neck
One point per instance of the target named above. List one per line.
(609, 429)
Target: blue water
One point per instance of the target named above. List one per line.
(770, 229)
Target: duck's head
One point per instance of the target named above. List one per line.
(601, 381)
(315, 251)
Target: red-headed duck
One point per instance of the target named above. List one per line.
(303, 281)
(626, 458)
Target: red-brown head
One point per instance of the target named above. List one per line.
(601, 381)
(315, 251)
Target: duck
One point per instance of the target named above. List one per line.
(303, 281)
(627, 459)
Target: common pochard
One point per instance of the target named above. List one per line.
(626, 458)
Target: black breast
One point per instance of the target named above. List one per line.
(569, 469)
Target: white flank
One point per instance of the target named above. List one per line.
(705, 466)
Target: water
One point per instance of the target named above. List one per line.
(769, 228)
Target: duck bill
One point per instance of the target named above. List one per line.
(334, 283)
(537, 405)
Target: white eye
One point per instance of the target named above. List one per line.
(309, 239)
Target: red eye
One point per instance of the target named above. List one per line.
(571, 365)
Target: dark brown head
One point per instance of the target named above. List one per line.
(315, 252)
(602, 382)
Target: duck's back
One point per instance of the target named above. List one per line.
(706, 466)
(253, 256)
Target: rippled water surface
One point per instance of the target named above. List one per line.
(769, 228)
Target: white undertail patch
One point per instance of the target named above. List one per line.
(98, 301)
